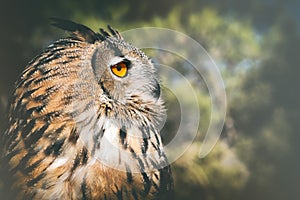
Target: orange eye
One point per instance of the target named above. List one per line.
(120, 69)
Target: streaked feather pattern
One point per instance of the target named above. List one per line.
(76, 133)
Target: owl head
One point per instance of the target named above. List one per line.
(126, 76)
(124, 71)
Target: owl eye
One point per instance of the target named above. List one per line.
(120, 69)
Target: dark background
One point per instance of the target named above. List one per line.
(257, 45)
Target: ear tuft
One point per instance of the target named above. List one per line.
(78, 31)
(84, 33)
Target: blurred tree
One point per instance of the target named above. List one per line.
(267, 115)
(220, 175)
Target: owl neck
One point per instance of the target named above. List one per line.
(122, 145)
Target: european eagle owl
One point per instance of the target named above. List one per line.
(84, 122)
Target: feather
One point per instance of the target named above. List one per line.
(84, 33)
(79, 31)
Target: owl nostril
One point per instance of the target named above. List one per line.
(156, 90)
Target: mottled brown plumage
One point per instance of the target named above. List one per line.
(83, 123)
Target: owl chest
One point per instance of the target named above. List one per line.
(97, 181)
(93, 180)
(107, 164)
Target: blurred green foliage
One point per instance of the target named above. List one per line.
(255, 43)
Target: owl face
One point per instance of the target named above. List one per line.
(124, 72)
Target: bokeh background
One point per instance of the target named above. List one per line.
(256, 45)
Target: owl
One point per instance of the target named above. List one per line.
(84, 122)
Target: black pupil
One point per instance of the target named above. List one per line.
(119, 67)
